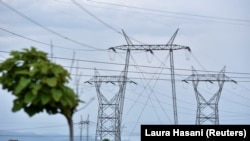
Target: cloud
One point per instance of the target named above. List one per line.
(214, 43)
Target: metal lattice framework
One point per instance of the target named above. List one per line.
(156, 47)
(207, 109)
(110, 110)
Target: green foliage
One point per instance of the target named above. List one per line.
(37, 84)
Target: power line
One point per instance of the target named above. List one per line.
(101, 21)
(47, 44)
(102, 62)
(188, 102)
(44, 27)
(227, 99)
(3, 130)
(144, 66)
(146, 78)
(148, 98)
(177, 13)
(40, 136)
(136, 100)
(230, 77)
(98, 19)
(146, 72)
(161, 15)
(163, 102)
(142, 77)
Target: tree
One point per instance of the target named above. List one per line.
(38, 85)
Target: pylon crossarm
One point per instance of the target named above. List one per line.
(108, 79)
(150, 47)
(203, 104)
(209, 78)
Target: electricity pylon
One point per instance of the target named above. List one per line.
(110, 110)
(207, 109)
(82, 122)
(113, 107)
(156, 47)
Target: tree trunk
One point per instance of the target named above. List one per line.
(71, 133)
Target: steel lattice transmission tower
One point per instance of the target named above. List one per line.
(156, 47)
(207, 109)
(110, 110)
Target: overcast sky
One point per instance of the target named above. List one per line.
(217, 31)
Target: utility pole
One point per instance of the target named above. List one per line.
(81, 123)
(157, 47)
(207, 109)
(86, 122)
(51, 50)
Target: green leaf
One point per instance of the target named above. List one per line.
(57, 71)
(37, 83)
(45, 99)
(15, 53)
(34, 70)
(22, 84)
(28, 98)
(56, 94)
(17, 105)
(35, 88)
(52, 82)
(23, 72)
(63, 101)
(44, 68)
(7, 82)
(32, 110)
(70, 102)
